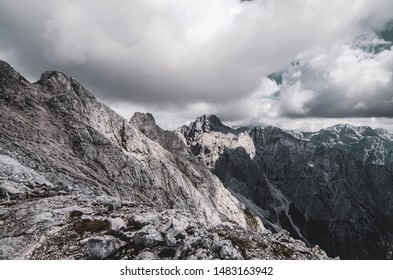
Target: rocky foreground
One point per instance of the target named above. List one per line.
(77, 181)
(79, 227)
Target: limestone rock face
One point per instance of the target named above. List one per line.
(320, 194)
(215, 195)
(77, 181)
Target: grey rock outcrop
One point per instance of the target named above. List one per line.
(102, 247)
(117, 224)
(320, 194)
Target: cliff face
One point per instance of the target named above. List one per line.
(79, 181)
(319, 194)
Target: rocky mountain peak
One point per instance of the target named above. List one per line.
(7, 73)
(145, 123)
(4, 66)
(381, 131)
(55, 76)
(145, 119)
(348, 128)
(59, 83)
(56, 82)
(209, 118)
(208, 123)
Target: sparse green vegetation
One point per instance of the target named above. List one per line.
(90, 226)
(251, 219)
(241, 244)
(283, 250)
(76, 213)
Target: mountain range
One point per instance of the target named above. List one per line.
(78, 181)
(372, 146)
(323, 190)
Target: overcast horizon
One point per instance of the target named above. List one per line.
(295, 64)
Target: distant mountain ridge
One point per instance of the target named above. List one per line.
(318, 192)
(372, 146)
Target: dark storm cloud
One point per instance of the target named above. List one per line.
(21, 41)
(182, 58)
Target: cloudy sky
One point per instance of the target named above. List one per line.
(331, 60)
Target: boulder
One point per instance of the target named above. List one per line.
(102, 247)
